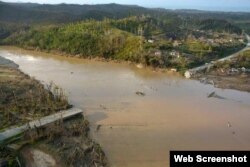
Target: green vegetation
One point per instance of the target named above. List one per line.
(86, 39)
(219, 26)
(23, 99)
(245, 25)
(243, 60)
(29, 13)
(162, 38)
(127, 39)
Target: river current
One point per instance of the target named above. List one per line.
(139, 131)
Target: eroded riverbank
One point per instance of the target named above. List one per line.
(233, 73)
(174, 114)
(239, 82)
(57, 144)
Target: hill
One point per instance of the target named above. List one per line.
(85, 39)
(64, 13)
(155, 37)
(23, 14)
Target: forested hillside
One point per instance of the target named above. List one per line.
(155, 37)
(85, 39)
(64, 13)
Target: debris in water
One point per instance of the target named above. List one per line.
(103, 107)
(98, 128)
(213, 94)
(229, 124)
(154, 89)
(140, 93)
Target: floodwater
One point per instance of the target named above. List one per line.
(139, 131)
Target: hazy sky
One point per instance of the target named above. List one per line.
(233, 5)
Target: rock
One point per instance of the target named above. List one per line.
(173, 69)
(98, 128)
(140, 66)
(187, 74)
(234, 70)
(140, 93)
(206, 81)
(103, 107)
(208, 68)
(211, 94)
(203, 80)
(210, 82)
(35, 157)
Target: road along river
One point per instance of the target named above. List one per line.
(139, 131)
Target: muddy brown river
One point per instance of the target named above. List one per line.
(139, 131)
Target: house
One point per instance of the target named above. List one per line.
(151, 41)
(175, 53)
(176, 43)
(202, 39)
(211, 41)
(241, 40)
(158, 53)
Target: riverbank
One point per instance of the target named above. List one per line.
(239, 82)
(217, 79)
(233, 73)
(64, 143)
(127, 125)
(236, 82)
(58, 54)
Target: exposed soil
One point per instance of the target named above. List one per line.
(223, 78)
(63, 143)
(231, 73)
(66, 141)
(23, 98)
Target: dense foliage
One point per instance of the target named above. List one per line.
(219, 25)
(86, 39)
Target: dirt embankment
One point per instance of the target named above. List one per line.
(233, 73)
(63, 143)
(237, 81)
